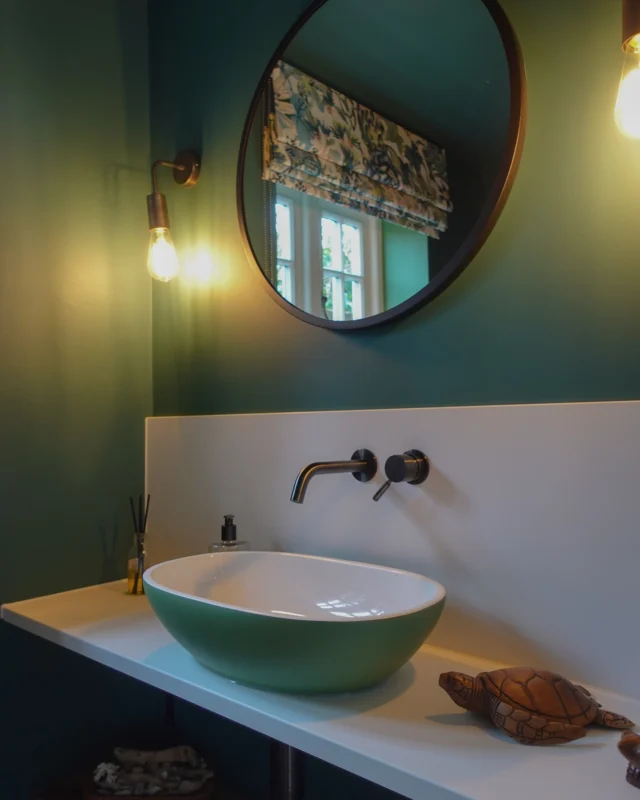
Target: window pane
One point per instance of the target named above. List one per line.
(331, 244)
(353, 302)
(283, 231)
(332, 297)
(351, 251)
(285, 282)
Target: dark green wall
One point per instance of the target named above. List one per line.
(75, 311)
(75, 323)
(548, 310)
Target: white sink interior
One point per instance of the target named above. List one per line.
(297, 586)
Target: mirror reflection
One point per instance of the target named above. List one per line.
(379, 134)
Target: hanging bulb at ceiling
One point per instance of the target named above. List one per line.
(627, 109)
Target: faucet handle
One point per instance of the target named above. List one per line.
(411, 467)
(381, 491)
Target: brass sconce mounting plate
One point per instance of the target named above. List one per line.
(186, 168)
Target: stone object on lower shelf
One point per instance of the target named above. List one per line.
(173, 772)
(207, 791)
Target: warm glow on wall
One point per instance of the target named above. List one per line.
(162, 260)
(198, 268)
(203, 269)
(627, 110)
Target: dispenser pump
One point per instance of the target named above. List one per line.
(229, 529)
(228, 538)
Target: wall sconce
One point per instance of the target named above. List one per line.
(162, 261)
(627, 113)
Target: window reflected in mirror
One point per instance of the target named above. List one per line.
(343, 263)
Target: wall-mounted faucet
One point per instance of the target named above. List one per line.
(411, 467)
(363, 466)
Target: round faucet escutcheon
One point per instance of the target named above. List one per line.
(367, 471)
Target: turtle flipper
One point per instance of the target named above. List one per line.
(528, 728)
(609, 719)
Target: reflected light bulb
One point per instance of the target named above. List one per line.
(627, 111)
(162, 261)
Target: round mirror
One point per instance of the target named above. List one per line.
(378, 152)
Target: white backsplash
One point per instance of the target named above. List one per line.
(530, 516)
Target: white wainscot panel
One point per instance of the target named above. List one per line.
(530, 516)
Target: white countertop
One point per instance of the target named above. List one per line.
(406, 735)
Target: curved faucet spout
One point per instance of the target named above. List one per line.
(362, 465)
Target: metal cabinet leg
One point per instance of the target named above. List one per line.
(169, 710)
(286, 779)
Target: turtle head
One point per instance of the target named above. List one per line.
(465, 691)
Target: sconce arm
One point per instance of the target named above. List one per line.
(186, 169)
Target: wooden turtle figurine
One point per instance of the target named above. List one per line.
(629, 746)
(530, 705)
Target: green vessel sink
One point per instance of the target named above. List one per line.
(294, 623)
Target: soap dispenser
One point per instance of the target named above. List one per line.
(229, 541)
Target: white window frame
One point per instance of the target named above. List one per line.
(308, 271)
(293, 262)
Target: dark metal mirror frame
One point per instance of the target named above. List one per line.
(490, 211)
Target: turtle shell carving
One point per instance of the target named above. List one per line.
(541, 692)
(532, 706)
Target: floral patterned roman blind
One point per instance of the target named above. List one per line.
(318, 141)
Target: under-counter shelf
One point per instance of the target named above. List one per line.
(72, 790)
(405, 735)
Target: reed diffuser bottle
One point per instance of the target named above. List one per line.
(135, 562)
(135, 566)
